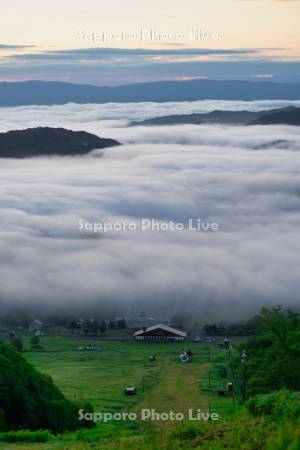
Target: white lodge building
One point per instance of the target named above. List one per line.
(159, 333)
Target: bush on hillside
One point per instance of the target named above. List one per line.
(26, 436)
(30, 400)
(278, 404)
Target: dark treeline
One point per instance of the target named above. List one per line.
(249, 327)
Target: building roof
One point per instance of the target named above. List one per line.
(36, 322)
(162, 327)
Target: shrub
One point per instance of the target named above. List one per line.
(26, 436)
(286, 440)
(274, 356)
(185, 431)
(108, 430)
(279, 404)
(35, 342)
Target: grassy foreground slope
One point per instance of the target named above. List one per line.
(101, 376)
(269, 420)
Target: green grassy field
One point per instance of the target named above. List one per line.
(101, 376)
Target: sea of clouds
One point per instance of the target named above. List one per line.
(172, 173)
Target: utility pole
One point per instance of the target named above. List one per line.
(244, 382)
(143, 380)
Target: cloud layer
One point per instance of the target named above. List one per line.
(166, 173)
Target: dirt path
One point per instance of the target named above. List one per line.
(178, 390)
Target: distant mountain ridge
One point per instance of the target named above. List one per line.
(58, 93)
(284, 117)
(288, 116)
(44, 141)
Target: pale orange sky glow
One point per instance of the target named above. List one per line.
(238, 23)
(70, 40)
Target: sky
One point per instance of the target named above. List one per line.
(71, 40)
